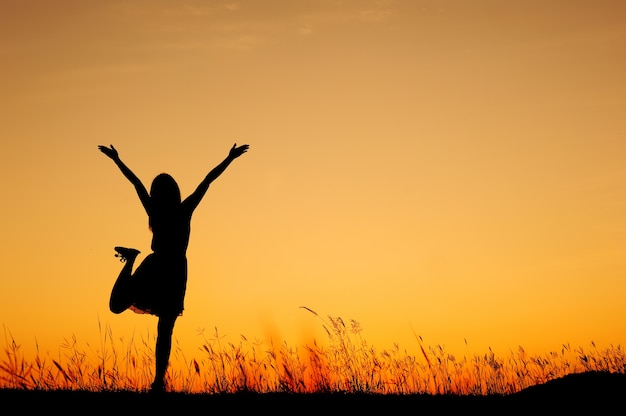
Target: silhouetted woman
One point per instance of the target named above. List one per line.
(158, 284)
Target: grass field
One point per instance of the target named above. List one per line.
(589, 392)
(343, 373)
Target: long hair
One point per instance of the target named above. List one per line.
(164, 196)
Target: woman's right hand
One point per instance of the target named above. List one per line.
(235, 151)
(109, 151)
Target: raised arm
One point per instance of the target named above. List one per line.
(194, 199)
(144, 197)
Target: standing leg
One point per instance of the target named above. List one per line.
(121, 295)
(165, 329)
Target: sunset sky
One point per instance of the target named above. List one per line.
(454, 168)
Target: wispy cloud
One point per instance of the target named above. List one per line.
(374, 15)
(339, 13)
(240, 25)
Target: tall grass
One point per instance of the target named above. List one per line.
(345, 363)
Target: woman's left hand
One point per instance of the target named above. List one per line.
(109, 151)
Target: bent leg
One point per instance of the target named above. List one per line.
(122, 292)
(165, 329)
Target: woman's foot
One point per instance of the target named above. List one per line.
(126, 254)
(158, 387)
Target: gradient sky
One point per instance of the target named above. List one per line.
(452, 167)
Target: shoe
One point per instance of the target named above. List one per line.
(125, 254)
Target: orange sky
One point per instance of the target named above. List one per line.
(455, 167)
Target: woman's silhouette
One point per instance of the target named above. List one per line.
(158, 284)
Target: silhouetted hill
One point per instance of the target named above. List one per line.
(590, 391)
